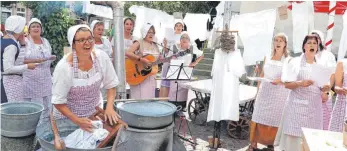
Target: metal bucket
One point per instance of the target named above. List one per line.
(19, 119)
(65, 127)
(147, 114)
(133, 139)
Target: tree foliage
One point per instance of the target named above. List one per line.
(7, 3)
(55, 20)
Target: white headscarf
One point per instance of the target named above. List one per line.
(72, 32)
(283, 35)
(94, 22)
(35, 20)
(179, 21)
(15, 24)
(321, 35)
(145, 28)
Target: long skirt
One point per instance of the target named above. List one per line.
(262, 134)
(144, 90)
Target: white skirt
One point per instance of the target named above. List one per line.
(287, 142)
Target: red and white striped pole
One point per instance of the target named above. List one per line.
(330, 28)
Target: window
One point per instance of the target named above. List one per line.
(22, 9)
(21, 14)
(18, 9)
(4, 16)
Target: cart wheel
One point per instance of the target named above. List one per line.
(239, 129)
(197, 112)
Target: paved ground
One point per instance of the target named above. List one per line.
(200, 133)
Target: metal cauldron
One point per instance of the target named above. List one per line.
(147, 114)
(133, 139)
(65, 127)
(19, 119)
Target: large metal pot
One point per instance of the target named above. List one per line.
(133, 139)
(19, 119)
(147, 114)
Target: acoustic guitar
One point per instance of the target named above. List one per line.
(136, 72)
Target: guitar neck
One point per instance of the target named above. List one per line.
(159, 61)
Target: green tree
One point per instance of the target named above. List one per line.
(55, 20)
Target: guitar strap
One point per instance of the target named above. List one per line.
(141, 49)
(175, 50)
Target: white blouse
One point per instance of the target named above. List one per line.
(105, 46)
(187, 57)
(9, 61)
(63, 76)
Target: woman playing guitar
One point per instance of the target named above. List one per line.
(137, 50)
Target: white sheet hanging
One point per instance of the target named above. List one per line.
(343, 39)
(256, 32)
(303, 23)
(226, 70)
(158, 18)
(196, 26)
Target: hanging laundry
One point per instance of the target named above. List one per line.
(196, 25)
(256, 32)
(303, 23)
(146, 15)
(343, 39)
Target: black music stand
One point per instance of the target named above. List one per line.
(178, 73)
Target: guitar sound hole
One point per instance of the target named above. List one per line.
(135, 75)
(146, 71)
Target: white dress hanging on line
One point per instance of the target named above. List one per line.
(226, 71)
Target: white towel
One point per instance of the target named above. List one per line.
(84, 140)
(302, 16)
(196, 26)
(343, 39)
(146, 15)
(256, 33)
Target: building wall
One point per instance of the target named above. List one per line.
(17, 9)
(320, 20)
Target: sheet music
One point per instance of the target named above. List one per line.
(169, 35)
(259, 79)
(321, 75)
(186, 72)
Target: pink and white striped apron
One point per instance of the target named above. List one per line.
(13, 84)
(304, 106)
(339, 111)
(82, 100)
(327, 109)
(271, 99)
(37, 83)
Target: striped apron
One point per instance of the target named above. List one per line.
(304, 106)
(271, 99)
(82, 100)
(339, 111)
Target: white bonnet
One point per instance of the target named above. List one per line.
(321, 35)
(35, 20)
(283, 35)
(94, 22)
(145, 28)
(15, 24)
(72, 32)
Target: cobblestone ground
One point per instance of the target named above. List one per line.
(202, 132)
